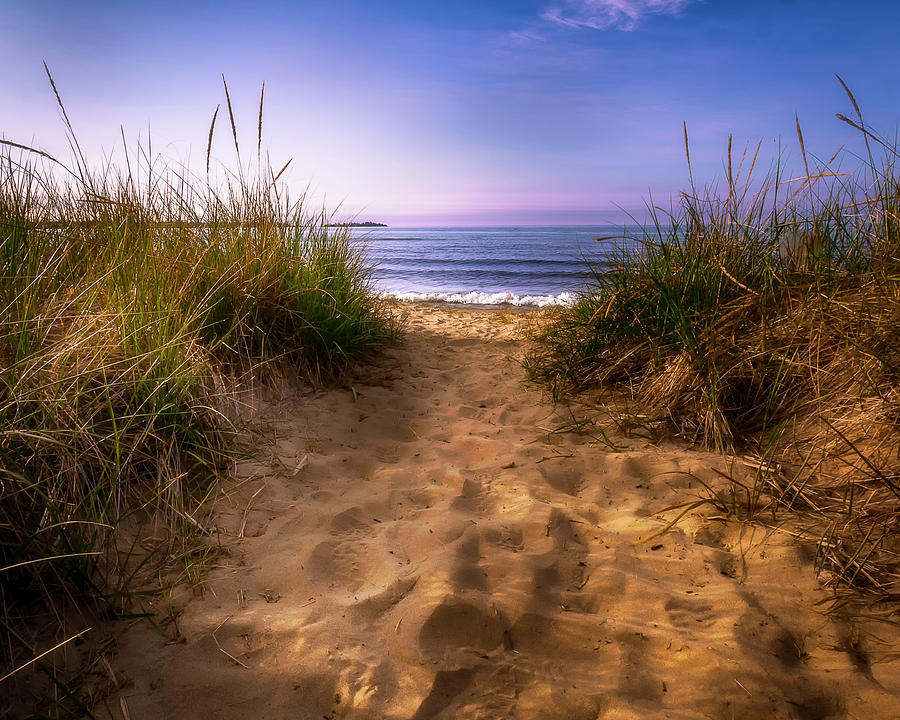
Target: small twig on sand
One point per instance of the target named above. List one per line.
(223, 650)
(558, 456)
(247, 510)
(304, 461)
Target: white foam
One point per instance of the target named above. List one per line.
(480, 298)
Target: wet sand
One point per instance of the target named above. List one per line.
(420, 545)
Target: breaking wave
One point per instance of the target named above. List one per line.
(481, 298)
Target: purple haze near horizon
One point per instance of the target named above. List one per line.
(450, 113)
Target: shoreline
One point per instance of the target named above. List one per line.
(434, 540)
(478, 299)
(438, 304)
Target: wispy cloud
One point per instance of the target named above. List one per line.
(610, 14)
(525, 36)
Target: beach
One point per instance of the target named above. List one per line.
(436, 539)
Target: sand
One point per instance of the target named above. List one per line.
(419, 545)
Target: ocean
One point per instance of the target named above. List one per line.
(525, 265)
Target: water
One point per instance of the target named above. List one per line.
(487, 265)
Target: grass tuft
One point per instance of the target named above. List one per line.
(134, 306)
(764, 321)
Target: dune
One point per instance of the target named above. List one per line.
(420, 544)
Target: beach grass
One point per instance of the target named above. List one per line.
(762, 320)
(137, 305)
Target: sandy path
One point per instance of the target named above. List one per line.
(442, 556)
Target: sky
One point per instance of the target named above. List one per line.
(442, 112)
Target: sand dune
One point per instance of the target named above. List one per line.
(419, 547)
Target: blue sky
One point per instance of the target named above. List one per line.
(566, 111)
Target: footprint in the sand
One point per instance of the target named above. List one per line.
(726, 563)
(546, 577)
(564, 474)
(509, 537)
(468, 549)
(638, 683)
(510, 416)
(446, 686)
(556, 700)
(457, 627)
(422, 497)
(559, 638)
(560, 528)
(376, 605)
(472, 498)
(637, 468)
(388, 455)
(469, 413)
(465, 343)
(761, 633)
(711, 535)
(467, 573)
(452, 529)
(561, 573)
(473, 394)
(688, 612)
(351, 520)
(347, 565)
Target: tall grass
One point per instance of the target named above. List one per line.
(133, 305)
(763, 320)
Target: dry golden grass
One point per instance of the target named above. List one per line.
(766, 322)
(136, 307)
